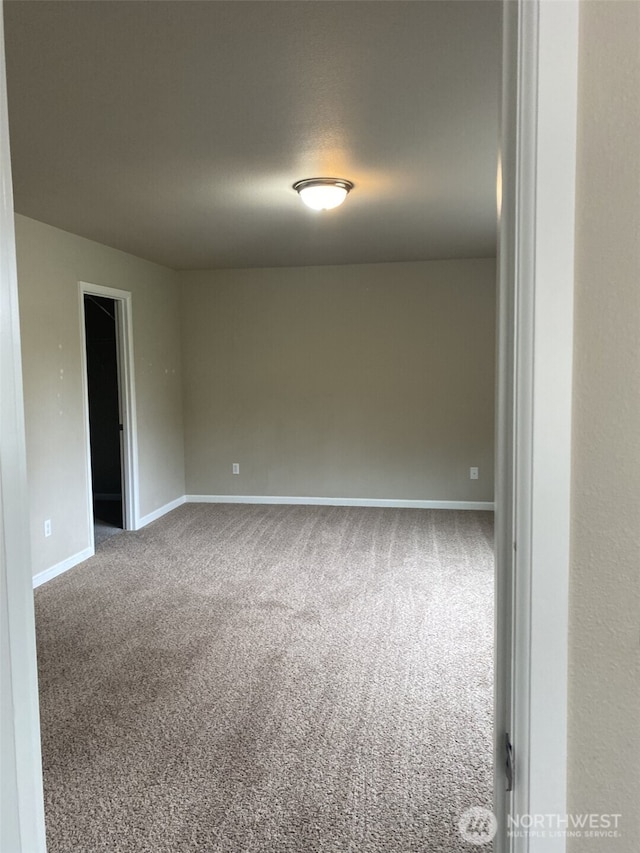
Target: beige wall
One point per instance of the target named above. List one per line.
(604, 688)
(368, 381)
(50, 264)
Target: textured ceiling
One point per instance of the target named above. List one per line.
(174, 130)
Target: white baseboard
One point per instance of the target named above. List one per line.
(81, 556)
(64, 566)
(158, 513)
(381, 502)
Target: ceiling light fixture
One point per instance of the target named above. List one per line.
(323, 193)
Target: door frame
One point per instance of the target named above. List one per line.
(534, 415)
(22, 803)
(534, 408)
(127, 398)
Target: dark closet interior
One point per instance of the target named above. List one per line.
(104, 409)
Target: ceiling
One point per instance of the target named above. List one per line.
(174, 130)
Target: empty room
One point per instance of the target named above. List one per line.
(256, 252)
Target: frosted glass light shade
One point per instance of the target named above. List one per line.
(323, 193)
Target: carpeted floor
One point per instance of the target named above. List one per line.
(270, 679)
(103, 530)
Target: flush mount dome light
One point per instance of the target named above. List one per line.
(323, 193)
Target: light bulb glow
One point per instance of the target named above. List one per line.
(323, 193)
(323, 198)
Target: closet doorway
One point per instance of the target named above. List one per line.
(109, 399)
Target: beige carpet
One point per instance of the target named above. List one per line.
(244, 679)
(102, 530)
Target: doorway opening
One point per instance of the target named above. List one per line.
(105, 414)
(542, 776)
(109, 411)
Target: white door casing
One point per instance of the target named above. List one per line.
(535, 323)
(127, 395)
(22, 807)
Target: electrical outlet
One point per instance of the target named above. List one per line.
(236, 468)
(47, 527)
(473, 473)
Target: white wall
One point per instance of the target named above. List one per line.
(604, 649)
(50, 264)
(363, 381)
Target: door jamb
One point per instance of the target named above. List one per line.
(539, 128)
(22, 803)
(126, 380)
